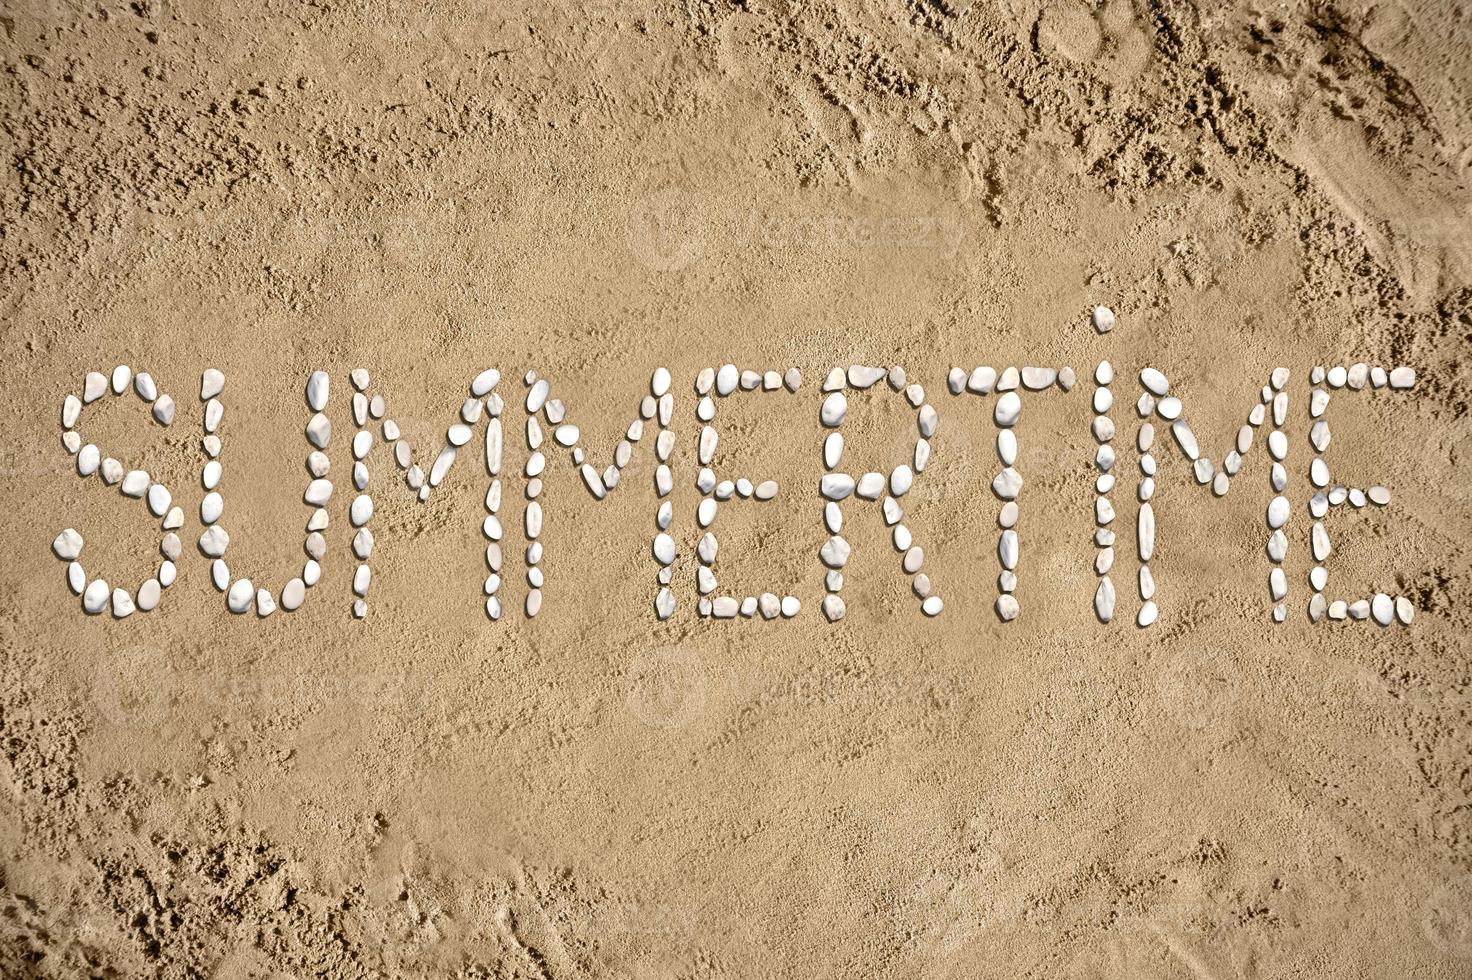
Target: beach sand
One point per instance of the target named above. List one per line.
(595, 188)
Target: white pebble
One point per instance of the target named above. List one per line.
(835, 407)
(317, 385)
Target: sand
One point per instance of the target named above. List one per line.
(589, 190)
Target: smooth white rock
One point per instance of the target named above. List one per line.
(927, 421)
(835, 407)
(836, 486)
(361, 510)
(88, 459)
(211, 383)
(319, 431)
(318, 492)
(1278, 511)
(1008, 409)
(1402, 377)
(1037, 378)
(159, 499)
(981, 379)
(1007, 608)
(1149, 612)
(1382, 607)
(1103, 319)
(861, 376)
(1007, 447)
(241, 596)
(1007, 549)
(1146, 532)
(1404, 611)
(94, 386)
(870, 486)
(95, 596)
(135, 483)
(1154, 381)
(68, 544)
(122, 603)
(835, 552)
(1104, 600)
(1007, 484)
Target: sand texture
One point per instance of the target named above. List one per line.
(593, 188)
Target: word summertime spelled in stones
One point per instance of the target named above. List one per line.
(549, 432)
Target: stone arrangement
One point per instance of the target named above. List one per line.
(836, 486)
(1156, 401)
(97, 595)
(723, 383)
(658, 407)
(1382, 607)
(1156, 405)
(1008, 385)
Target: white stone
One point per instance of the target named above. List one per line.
(1404, 611)
(318, 492)
(241, 596)
(1036, 378)
(211, 383)
(1402, 377)
(1008, 409)
(95, 596)
(835, 407)
(791, 606)
(317, 388)
(901, 478)
(135, 483)
(1382, 607)
(361, 510)
(1146, 532)
(1186, 438)
(159, 499)
(1007, 447)
(860, 376)
(835, 552)
(870, 486)
(1007, 549)
(981, 379)
(1149, 612)
(836, 486)
(927, 420)
(1154, 382)
(1007, 484)
(88, 460)
(1104, 600)
(1278, 511)
(94, 386)
(319, 431)
(122, 603)
(1007, 608)
(68, 544)
(1103, 319)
